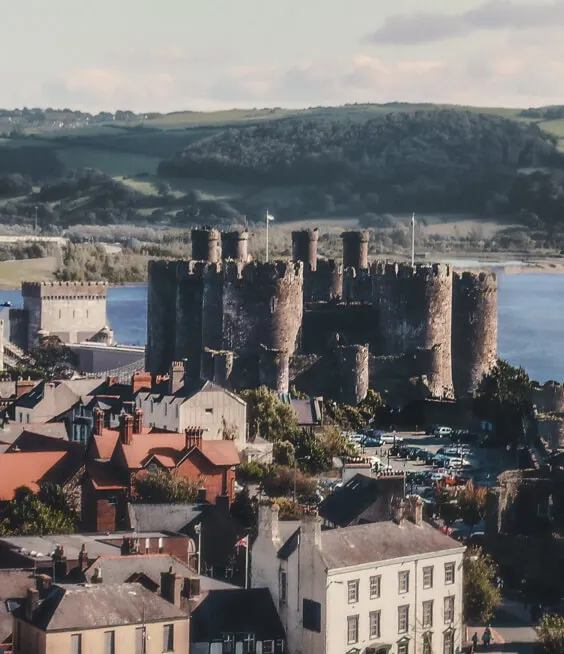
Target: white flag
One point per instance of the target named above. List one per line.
(412, 219)
(269, 217)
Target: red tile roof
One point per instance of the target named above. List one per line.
(105, 476)
(25, 469)
(220, 453)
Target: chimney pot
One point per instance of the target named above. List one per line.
(125, 428)
(98, 421)
(138, 421)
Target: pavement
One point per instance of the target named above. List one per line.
(512, 631)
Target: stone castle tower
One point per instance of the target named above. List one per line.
(245, 323)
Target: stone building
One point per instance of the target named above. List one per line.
(74, 312)
(324, 326)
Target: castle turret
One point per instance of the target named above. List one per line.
(355, 250)
(549, 398)
(206, 245)
(304, 248)
(414, 311)
(161, 316)
(352, 361)
(235, 245)
(474, 329)
(262, 305)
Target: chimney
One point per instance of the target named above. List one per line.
(193, 437)
(83, 558)
(43, 584)
(175, 377)
(125, 428)
(268, 525)
(141, 380)
(222, 503)
(398, 510)
(138, 421)
(59, 564)
(49, 391)
(310, 530)
(97, 576)
(415, 509)
(170, 586)
(191, 587)
(23, 386)
(31, 603)
(98, 422)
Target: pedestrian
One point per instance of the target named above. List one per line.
(475, 641)
(486, 637)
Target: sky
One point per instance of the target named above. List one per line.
(170, 55)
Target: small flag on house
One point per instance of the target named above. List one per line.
(269, 217)
(243, 542)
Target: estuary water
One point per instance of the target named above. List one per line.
(531, 320)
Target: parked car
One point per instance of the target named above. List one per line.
(371, 441)
(429, 457)
(415, 454)
(442, 432)
(396, 449)
(357, 438)
(391, 438)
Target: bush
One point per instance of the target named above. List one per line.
(280, 483)
(550, 633)
(161, 486)
(289, 510)
(252, 472)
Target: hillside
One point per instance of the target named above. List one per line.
(442, 160)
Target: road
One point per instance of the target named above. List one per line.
(513, 624)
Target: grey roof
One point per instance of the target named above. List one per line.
(157, 517)
(121, 569)
(40, 548)
(381, 541)
(101, 605)
(307, 411)
(362, 499)
(12, 430)
(236, 611)
(13, 586)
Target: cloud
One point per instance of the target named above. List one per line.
(430, 27)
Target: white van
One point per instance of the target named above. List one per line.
(443, 431)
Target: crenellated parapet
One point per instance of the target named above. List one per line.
(549, 398)
(235, 245)
(69, 290)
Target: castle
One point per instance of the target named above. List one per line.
(325, 326)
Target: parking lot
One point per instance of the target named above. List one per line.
(485, 463)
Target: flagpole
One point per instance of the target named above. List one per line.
(267, 235)
(413, 240)
(247, 564)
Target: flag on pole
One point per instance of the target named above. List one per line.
(412, 219)
(269, 217)
(243, 542)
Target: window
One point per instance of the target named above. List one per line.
(27, 418)
(428, 577)
(403, 619)
(147, 545)
(21, 416)
(228, 644)
(403, 647)
(375, 583)
(352, 587)
(449, 609)
(249, 644)
(280, 646)
(209, 411)
(428, 613)
(267, 647)
(109, 642)
(168, 638)
(352, 629)
(311, 615)
(449, 573)
(403, 581)
(374, 624)
(427, 643)
(448, 642)
(283, 582)
(76, 644)
(140, 640)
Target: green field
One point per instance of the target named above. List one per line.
(13, 273)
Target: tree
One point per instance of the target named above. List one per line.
(244, 509)
(280, 483)
(472, 504)
(504, 397)
(27, 514)
(162, 486)
(550, 634)
(447, 506)
(481, 594)
(268, 416)
(53, 359)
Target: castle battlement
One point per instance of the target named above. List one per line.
(68, 290)
(259, 272)
(407, 271)
(482, 282)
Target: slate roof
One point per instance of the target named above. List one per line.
(44, 546)
(98, 606)
(13, 586)
(12, 430)
(122, 569)
(381, 541)
(307, 411)
(156, 517)
(362, 499)
(236, 611)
